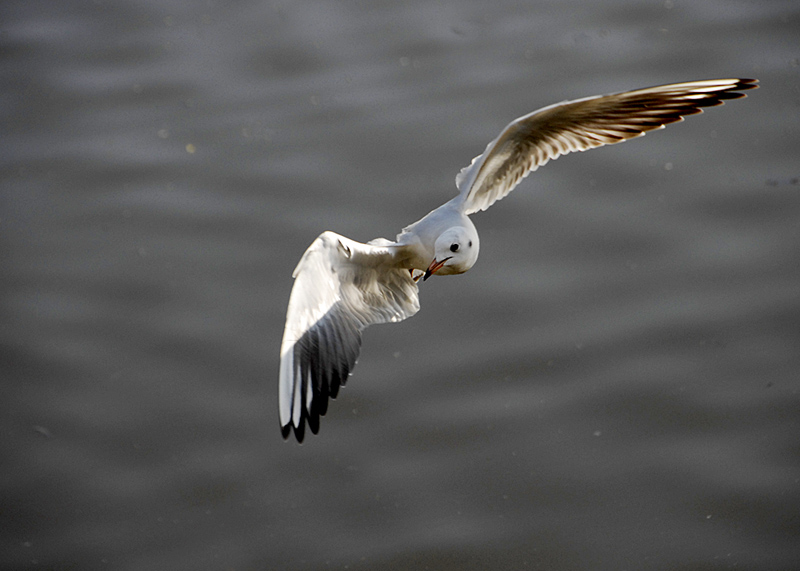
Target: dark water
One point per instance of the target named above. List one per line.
(614, 385)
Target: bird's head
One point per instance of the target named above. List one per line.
(455, 251)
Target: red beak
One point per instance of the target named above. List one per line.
(433, 268)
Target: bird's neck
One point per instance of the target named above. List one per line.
(418, 240)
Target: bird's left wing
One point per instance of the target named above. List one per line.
(341, 286)
(531, 140)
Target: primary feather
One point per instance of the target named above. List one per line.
(532, 140)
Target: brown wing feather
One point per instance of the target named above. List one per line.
(532, 140)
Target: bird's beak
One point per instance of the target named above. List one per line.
(433, 268)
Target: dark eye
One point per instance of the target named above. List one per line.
(454, 247)
(470, 243)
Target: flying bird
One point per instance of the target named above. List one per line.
(342, 286)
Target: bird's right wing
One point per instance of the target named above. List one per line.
(531, 140)
(341, 286)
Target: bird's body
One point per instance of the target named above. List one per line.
(342, 286)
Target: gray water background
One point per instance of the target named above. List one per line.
(615, 385)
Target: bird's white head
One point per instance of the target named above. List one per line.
(455, 251)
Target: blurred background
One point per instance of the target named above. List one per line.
(613, 386)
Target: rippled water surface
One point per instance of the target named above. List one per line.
(613, 386)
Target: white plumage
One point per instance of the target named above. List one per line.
(342, 286)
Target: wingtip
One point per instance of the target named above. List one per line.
(750, 84)
(741, 84)
(299, 432)
(313, 423)
(746, 83)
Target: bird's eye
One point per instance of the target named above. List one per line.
(454, 247)
(470, 243)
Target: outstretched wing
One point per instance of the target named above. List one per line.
(531, 140)
(341, 286)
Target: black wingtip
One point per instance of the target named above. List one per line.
(300, 432)
(741, 85)
(313, 423)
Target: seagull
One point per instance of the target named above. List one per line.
(342, 286)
